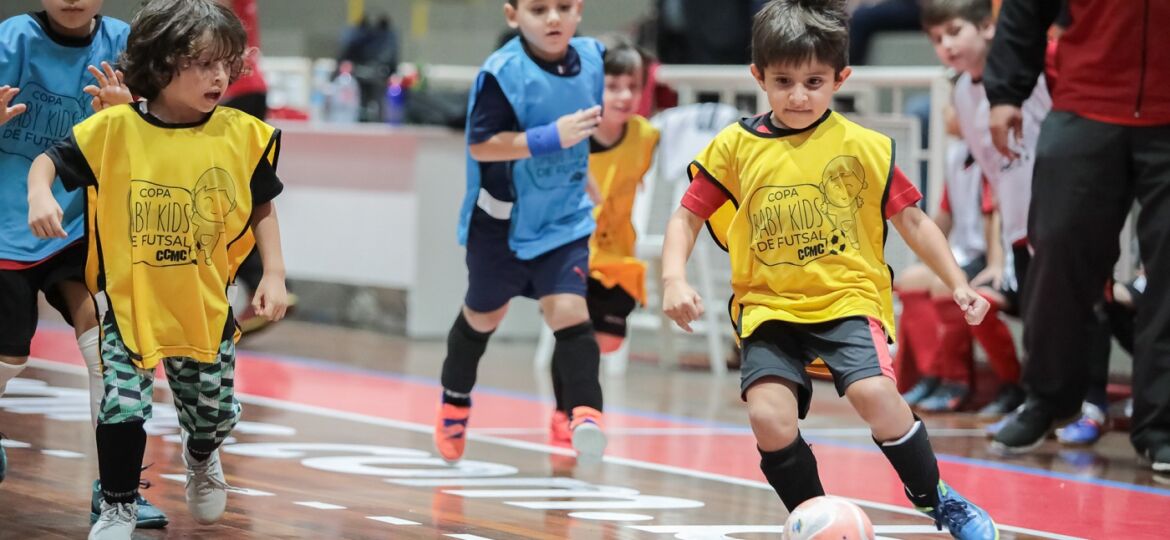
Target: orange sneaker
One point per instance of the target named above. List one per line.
(559, 431)
(451, 431)
(588, 438)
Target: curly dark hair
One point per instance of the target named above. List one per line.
(166, 35)
(794, 31)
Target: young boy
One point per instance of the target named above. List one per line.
(178, 191)
(620, 153)
(527, 218)
(939, 341)
(43, 59)
(800, 197)
(961, 31)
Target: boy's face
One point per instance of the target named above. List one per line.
(799, 94)
(547, 25)
(72, 17)
(623, 96)
(961, 44)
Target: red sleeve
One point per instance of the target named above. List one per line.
(902, 192)
(944, 204)
(704, 196)
(987, 197)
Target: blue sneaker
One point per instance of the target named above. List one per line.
(923, 388)
(1086, 430)
(149, 516)
(960, 517)
(948, 397)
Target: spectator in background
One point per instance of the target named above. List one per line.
(705, 32)
(1105, 144)
(373, 48)
(871, 18)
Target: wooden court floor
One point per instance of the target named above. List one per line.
(336, 444)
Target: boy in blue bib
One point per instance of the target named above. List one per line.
(527, 216)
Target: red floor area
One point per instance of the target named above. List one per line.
(1015, 497)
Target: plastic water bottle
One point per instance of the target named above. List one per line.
(319, 92)
(345, 100)
(394, 111)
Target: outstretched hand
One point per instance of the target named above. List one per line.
(110, 90)
(8, 113)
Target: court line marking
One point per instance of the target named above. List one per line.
(536, 447)
(393, 520)
(319, 505)
(702, 432)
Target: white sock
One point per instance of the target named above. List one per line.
(90, 346)
(7, 373)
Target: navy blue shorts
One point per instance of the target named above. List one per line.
(495, 275)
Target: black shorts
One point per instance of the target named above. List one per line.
(608, 307)
(853, 349)
(18, 296)
(495, 275)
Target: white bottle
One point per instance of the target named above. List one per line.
(319, 92)
(345, 100)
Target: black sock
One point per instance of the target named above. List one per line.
(120, 450)
(200, 449)
(792, 471)
(578, 361)
(465, 347)
(913, 459)
(558, 388)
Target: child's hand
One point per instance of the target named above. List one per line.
(576, 127)
(271, 298)
(681, 303)
(974, 307)
(8, 113)
(111, 89)
(44, 217)
(989, 276)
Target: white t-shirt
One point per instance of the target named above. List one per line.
(964, 184)
(1011, 181)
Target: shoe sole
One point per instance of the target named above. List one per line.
(142, 523)
(589, 442)
(1005, 450)
(1160, 467)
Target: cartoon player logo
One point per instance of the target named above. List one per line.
(841, 184)
(214, 198)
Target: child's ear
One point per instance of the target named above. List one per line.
(510, 16)
(844, 74)
(758, 75)
(987, 29)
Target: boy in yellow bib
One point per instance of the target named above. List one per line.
(799, 198)
(620, 153)
(178, 192)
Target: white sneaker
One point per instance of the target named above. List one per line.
(206, 487)
(116, 521)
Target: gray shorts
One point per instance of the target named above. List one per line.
(854, 348)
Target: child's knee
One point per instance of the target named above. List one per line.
(875, 396)
(564, 310)
(915, 278)
(609, 343)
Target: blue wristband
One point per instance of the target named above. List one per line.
(544, 140)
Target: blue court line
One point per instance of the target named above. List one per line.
(948, 458)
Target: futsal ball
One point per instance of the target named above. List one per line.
(828, 518)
